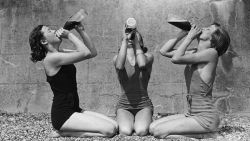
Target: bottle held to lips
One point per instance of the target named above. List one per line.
(75, 19)
(180, 23)
(131, 27)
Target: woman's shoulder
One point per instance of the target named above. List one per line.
(150, 57)
(212, 54)
(53, 58)
(149, 54)
(49, 67)
(114, 59)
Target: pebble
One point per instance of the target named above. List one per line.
(37, 127)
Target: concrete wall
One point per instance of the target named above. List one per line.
(23, 86)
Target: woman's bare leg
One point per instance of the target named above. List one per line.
(197, 136)
(84, 125)
(125, 121)
(102, 116)
(180, 126)
(79, 134)
(164, 119)
(143, 119)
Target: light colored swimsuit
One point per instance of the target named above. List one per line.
(199, 99)
(133, 83)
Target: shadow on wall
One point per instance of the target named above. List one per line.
(232, 13)
(224, 12)
(227, 60)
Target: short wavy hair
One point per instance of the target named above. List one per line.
(220, 39)
(38, 51)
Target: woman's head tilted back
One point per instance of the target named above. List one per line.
(38, 50)
(43, 39)
(220, 39)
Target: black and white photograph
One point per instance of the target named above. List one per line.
(125, 70)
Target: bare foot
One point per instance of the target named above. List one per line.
(54, 134)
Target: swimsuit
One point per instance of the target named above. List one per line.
(133, 83)
(65, 100)
(199, 99)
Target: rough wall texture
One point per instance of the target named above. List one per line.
(23, 86)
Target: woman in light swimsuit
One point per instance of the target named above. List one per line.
(200, 72)
(133, 65)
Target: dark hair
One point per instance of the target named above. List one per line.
(220, 40)
(38, 51)
(139, 37)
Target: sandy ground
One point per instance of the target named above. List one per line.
(37, 127)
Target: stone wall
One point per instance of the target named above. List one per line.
(23, 86)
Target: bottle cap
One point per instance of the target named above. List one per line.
(131, 23)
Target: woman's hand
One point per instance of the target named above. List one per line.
(128, 36)
(62, 33)
(124, 34)
(194, 32)
(79, 27)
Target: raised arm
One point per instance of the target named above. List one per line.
(142, 59)
(167, 49)
(63, 58)
(86, 39)
(181, 57)
(119, 60)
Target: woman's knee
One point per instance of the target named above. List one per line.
(151, 127)
(157, 132)
(110, 131)
(125, 131)
(141, 131)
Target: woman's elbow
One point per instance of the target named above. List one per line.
(162, 52)
(90, 54)
(142, 66)
(119, 67)
(166, 54)
(175, 60)
(87, 54)
(94, 54)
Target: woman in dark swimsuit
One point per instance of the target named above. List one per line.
(202, 116)
(66, 115)
(133, 66)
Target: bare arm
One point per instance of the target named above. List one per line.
(167, 49)
(86, 39)
(180, 57)
(67, 50)
(120, 59)
(62, 58)
(142, 59)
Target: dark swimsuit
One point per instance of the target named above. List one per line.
(199, 99)
(133, 83)
(65, 100)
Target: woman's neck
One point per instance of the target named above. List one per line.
(53, 48)
(202, 45)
